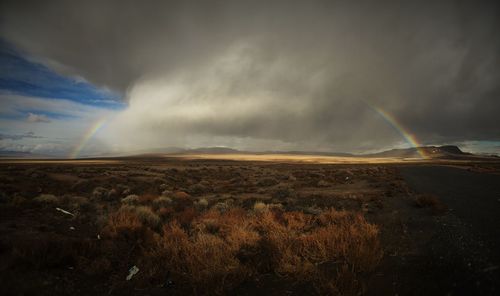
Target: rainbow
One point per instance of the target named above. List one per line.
(408, 136)
(94, 128)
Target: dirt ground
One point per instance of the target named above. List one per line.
(435, 226)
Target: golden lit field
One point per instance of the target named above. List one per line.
(297, 158)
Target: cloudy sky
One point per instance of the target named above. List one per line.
(91, 77)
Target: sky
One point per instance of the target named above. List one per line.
(81, 78)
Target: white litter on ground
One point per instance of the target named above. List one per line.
(64, 211)
(132, 271)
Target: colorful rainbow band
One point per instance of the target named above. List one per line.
(94, 128)
(394, 123)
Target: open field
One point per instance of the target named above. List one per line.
(249, 224)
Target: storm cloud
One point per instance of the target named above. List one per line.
(267, 75)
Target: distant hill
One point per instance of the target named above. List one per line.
(437, 152)
(212, 150)
(433, 152)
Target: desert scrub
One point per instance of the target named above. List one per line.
(129, 222)
(260, 207)
(147, 216)
(217, 250)
(131, 199)
(266, 182)
(221, 206)
(202, 203)
(100, 193)
(283, 191)
(77, 203)
(162, 201)
(197, 189)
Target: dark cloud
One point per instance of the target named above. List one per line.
(306, 73)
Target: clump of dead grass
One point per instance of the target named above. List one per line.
(219, 249)
(431, 201)
(123, 223)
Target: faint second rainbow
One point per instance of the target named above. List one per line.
(408, 136)
(93, 129)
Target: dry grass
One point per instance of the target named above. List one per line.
(217, 250)
(123, 223)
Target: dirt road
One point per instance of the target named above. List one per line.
(468, 236)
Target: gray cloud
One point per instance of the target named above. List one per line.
(302, 74)
(29, 135)
(32, 117)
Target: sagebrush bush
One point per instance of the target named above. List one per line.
(147, 216)
(221, 206)
(260, 206)
(202, 203)
(131, 199)
(162, 201)
(100, 193)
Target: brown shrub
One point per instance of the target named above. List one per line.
(123, 223)
(431, 201)
(204, 260)
(180, 195)
(186, 216)
(147, 198)
(299, 245)
(166, 212)
(220, 249)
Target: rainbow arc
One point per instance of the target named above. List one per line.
(399, 127)
(93, 129)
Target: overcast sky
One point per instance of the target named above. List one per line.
(254, 75)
